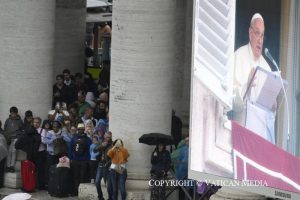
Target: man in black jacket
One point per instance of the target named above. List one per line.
(29, 142)
(103, 166)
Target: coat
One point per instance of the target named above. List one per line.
(29, 142)
(161, 162)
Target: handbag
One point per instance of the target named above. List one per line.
(119, 169)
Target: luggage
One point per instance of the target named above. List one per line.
(59, 181)
(28, 175)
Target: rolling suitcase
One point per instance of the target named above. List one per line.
(28, 175)
(59, 181)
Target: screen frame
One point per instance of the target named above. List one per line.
(211, 178)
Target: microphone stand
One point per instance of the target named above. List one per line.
(287, 104)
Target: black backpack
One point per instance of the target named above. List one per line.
(59, 181)
(80, 146)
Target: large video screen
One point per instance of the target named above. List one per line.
(235, 140)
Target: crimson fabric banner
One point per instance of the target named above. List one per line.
(259, 160)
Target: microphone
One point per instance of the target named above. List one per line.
(270, 57)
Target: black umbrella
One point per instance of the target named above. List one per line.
(156, 138)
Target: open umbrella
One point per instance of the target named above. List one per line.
(156, 138)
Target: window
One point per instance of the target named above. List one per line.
(213, 42)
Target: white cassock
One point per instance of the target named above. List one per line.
(258, 120)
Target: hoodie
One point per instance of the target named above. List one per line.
(12, 127)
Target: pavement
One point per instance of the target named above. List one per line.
(37, 195)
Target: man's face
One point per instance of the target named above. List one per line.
(67, 76)
(107, 138)
(102, 106)
(89, 113)
(160, 147)
(36, 123)
(55, 127)
(256, 37)
(59, 80)
(80, 131)
(73, 130)
(13, 114)
(29, 118)
(72, 111)
(81, 98)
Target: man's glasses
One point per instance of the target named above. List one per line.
(257, 34)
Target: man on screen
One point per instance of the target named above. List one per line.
(247, 58)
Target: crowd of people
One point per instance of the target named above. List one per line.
(76, 128)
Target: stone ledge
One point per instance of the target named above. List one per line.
(136, 190)
(12, 180)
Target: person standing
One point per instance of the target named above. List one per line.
(59, 91)
(176, 128)
(71, 89)
(80, 156)
(82, 104)
(161, 162)
(12, 128)
(118, 174)
(93, 161)
(181, 167)
(28, 119)
(50, 140)
(103, 166)
(247, 58)
(41, 155)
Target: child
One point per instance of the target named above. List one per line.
(93, 161)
